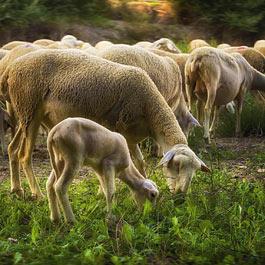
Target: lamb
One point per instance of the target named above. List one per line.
(163, 71)
(122, 98)
(217, 78)
(197, 43)
(77, 141)
(13, 44)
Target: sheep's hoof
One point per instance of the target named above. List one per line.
(111, 219)
(37, 196)
(18, 192)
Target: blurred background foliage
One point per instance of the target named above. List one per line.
(243, 15)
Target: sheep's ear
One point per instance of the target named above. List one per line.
(194, 122)
(167, 157)
(149, 185)
(204, 168)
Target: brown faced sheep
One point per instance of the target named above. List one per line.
(77, 141)
(197, 43)
(65, 83)
(164, 72)
(216, 78)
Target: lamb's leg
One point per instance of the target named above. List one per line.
(25, 158)
(215, 120)
(138, 157)
(13, 149)
(61, 187)
(12, 118)
(107, 181)
(52, 198)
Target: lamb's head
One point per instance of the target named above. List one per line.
(146, 191)
(180, 164)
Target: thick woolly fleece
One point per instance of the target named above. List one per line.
(162, 70)
(48, 86)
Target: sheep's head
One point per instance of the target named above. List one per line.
(146, 191)
(187, 122)
(180, 164)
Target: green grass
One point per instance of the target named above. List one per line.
(222, 221)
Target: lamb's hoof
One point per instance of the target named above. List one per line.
(18, 192)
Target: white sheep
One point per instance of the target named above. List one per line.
(216, 78)
(165, 44)
(71, 41)
(122, 98)
(43, 42)
(13, 44)
(197, 43)
(77, 141)
(103, 44)
(164, 72)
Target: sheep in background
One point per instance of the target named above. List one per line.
(223, 46)
(144, 44)
(164, 72)
(103, 44)
(122, 98)
(77, 141)
(71, 41)
(165, 44)
(43, 42)
(13, 44)
(197, 43)
(3, 53)
(259, 43)
(217, 78)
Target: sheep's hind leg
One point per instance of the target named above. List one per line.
(13, 149)
(62, 185)
(214, 121)
(25, 157)
(52, 198)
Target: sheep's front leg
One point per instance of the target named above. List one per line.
(138, 158)
(61, 188)
(52, 198)
(239, 106)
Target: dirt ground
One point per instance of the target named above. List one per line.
(242, 158)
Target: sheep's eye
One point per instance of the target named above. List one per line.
(153, 195)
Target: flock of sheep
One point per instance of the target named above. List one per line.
(73, 89)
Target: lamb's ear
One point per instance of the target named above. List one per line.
(167, 157)
(194, 122)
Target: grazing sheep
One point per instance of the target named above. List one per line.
(122, 98)
(71, 41)
(217, 78)
(3, 53)
(197, 43)
(259, 43)
(58, 45)
(77, 141)
(144, 44)
(103, 44)
(164, 72)
(165, 44)
(223, 46)
(43, 42)
(13, 44)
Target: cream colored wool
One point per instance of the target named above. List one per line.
(197, 43)
(43, 42)
(13, 44)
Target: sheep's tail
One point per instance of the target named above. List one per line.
(4, 91)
